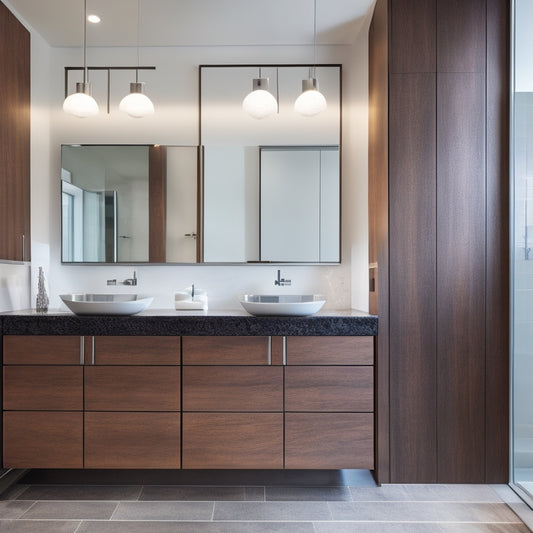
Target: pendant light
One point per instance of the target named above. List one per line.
(81, 103)
(136, 104)
(311, 101)
(260, 103)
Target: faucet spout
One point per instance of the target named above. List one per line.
(281, 282)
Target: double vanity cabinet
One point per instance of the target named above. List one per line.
(188, 401)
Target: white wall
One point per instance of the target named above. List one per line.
(174, 89)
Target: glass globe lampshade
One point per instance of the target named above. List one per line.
(136, 104)
(260, 103)
(311, 101)
(81, 104)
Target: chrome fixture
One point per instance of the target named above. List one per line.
(311, 101)
(127, 281)
(281, 282)
(260, 103)
(136, 104)
(81, 103)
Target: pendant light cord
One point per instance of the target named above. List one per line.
(138, 38)
(314, 39)
(85, 74)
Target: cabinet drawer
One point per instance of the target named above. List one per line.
(329, 440)
(138, 388)
(340, 388)
(226, 350)
(330, 350)
(232, 440)
(132, 440)
(41, 350)
(43, 440)
(237, 388)
(42, 388)
(137, 350)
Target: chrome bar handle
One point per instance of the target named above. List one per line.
(284, 351)
(269, 350)
(23, 247)
(92, 350)
(82, 350)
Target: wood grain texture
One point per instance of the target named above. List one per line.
(497, 318)
(461, 35)
(43, 439)
(43, 388)
(461, 277)
(225, 350)
(14, 138)
(232, 440)
(277, 350)
(413, 274)
(137, 388)
(329, 389)
(235, 388)
(413, 43)
(330, 350)
(41, 350)
(329, 440)
(157, 204)
(137, 350)
(132, 440)
(378, 197)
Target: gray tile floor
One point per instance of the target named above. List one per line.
(257, 509)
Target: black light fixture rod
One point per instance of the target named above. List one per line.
(85, 73)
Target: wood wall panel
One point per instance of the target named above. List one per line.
(412, 184)
(461, 35)
(497, 319)
(14, 138)
(461, 280)
(157, 185)
(378, 199)
(413, 38)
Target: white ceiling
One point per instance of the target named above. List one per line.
(195, 22)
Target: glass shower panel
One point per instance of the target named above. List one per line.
(521, 253)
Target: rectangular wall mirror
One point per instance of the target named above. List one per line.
(256, 191)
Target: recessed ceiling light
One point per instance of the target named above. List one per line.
(95, 19)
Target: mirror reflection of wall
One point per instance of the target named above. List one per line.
(296, 217)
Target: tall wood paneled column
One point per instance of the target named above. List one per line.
(443, 329)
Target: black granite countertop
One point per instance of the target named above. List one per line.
(171, 322)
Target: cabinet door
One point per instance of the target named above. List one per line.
(235, 388)
(329, 440)
(232, 440)
(44, 439)
(14, 138)
(128, 350)
(41, 350)
(333, 389)
(136, 388)
(330, 350)
(43, 388)
(132, 440)
(226, 350)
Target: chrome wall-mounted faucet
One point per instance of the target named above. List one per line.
(280, 282)
(128, 281)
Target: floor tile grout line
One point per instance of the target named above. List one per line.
(27, 510)
(114, 510)
(213, 512)
(79, 525)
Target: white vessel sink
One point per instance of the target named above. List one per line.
(106, 304)
(282, 305)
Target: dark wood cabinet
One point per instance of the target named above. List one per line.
(226, 350)
(438, 210)
(232, 440)
(15, 238)
(132, 440)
